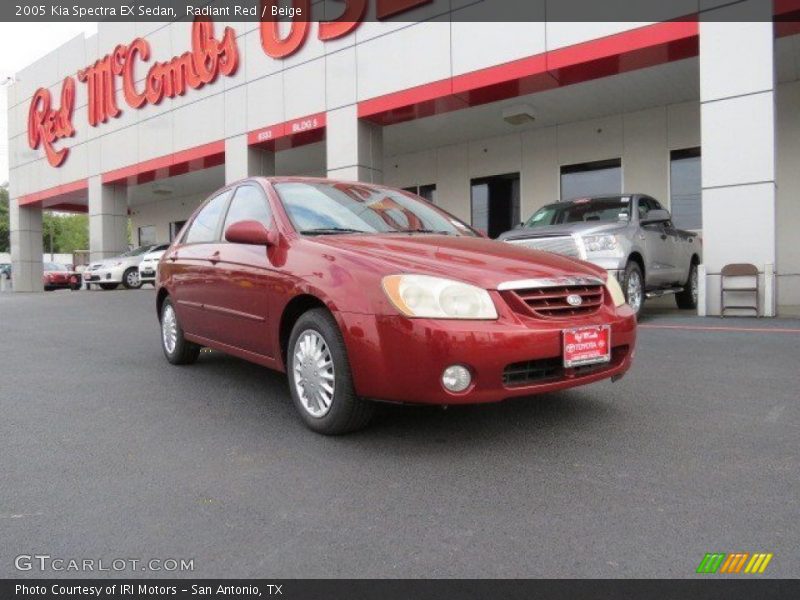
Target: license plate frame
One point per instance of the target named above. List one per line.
(578, 349)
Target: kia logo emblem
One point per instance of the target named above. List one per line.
(574, 300)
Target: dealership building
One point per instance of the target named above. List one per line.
(488, 120)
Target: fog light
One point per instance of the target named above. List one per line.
(456, 378)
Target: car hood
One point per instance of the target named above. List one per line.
(153, 255)
(479, 261)
(125, 260)
(582, 227)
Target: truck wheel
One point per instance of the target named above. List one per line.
(634, 287)
(319, 376)
(687, 299)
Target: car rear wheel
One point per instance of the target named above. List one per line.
(319, 375)
(176, 348)
(131, 279)
(108, 286)
(634, 287)
(687, 299)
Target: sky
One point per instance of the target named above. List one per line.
(20, 45)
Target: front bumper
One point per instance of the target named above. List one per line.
(112, 275)
(398, 359)
(147, 273)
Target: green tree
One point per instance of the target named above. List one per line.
(5, 227)
(64, 233)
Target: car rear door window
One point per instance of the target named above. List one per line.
(248, 204)
(204, 228)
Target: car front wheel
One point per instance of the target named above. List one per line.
(176, 348)
(131, 279)
(320, 380)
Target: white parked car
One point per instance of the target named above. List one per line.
(124, 269)
(149, 265)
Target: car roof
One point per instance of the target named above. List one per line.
(304, 179)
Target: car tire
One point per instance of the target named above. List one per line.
(634, 287)
(130, 279)
(687, 299)
(108, 286)
(320, 380)
(177, 349)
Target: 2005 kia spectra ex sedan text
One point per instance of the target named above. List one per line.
(361, 292)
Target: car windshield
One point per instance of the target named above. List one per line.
(54, 267)
(349, 208)
(611, 209)
(137, 251)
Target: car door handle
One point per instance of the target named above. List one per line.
(214, 258)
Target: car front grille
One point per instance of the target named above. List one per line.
(552, 369)
(563, 244)
(554, 301)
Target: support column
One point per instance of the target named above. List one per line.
(354, 148)
(26, 247)
(108, 219)
(243, 160)
(737, 95)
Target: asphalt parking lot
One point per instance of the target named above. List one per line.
(108, 451)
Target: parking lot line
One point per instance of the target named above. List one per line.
(724, 328)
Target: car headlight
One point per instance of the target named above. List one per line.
(437, 298)
(600, 243)
(614, 288)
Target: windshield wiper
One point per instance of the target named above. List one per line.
(331, 231)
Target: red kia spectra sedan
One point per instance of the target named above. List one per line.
(361, 292)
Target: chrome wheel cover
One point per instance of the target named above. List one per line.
(634, 291)
(313, 373)
(169, 329)
(132, 278)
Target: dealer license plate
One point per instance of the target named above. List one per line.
(587, 345)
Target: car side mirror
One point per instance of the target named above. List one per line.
(252, 233)
(658, 215)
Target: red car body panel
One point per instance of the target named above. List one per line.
(232, 297)
(60, 280)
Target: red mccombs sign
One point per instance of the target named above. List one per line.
(207, 59)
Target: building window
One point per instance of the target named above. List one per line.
(686, 188)
(598, 178)
(495, 203)
(147, 235)
(424, 191)
(175, 228)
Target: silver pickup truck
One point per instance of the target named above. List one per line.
(631, 236)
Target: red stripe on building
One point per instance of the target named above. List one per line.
(64, 193)
(626, 51)
(290, 134)
(170, 165)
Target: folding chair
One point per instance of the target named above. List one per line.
(739, 270)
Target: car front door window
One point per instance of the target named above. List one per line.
(204, 228)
